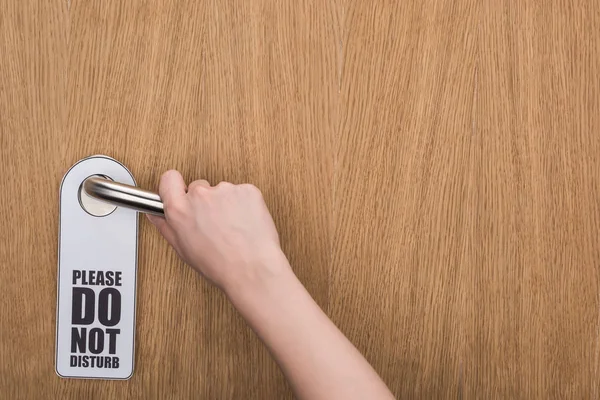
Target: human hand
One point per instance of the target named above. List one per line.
(225, 232)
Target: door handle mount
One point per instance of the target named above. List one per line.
(122, 195)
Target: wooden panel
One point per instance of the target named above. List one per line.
(32, 57)
(432, 167)
(400, 189)
(532, 326)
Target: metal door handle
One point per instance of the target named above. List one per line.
(126, 196)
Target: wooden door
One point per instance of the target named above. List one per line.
(432, 167)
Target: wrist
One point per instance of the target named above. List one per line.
(258, 277)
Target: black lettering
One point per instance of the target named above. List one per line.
(78, 339)
(115, 307)
(96, 278)
(112, 340)
(94, 362)
(110, 279)
(80, 316)
(96, 341)
(100, 278)
(76, 275)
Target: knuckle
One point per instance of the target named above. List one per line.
(197, 190)
(225, 184)
(250, 188)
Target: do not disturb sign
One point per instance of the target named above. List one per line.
(88, 305)
(97, 267)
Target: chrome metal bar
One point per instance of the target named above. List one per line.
(124, 195)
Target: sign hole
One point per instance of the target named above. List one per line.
(92, 206)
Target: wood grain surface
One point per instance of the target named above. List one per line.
(432, 166)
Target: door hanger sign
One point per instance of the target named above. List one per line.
(97, 270)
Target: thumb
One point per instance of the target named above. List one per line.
(171, 186)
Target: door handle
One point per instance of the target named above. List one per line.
(123, 195)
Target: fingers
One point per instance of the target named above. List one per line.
(163, 227)
(198, 183)
(171, 186)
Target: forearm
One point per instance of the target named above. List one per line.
(315, 356)
(227, 234)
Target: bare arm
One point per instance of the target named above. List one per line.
(227, 234)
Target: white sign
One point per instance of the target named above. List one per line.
(97, 270)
